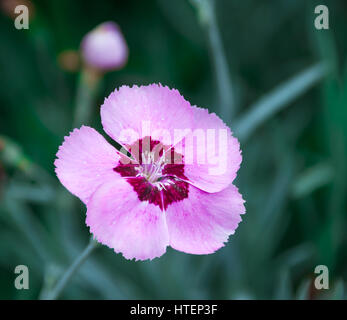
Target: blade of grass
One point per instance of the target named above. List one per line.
(279, 98)
(27, 223)
(312, 179)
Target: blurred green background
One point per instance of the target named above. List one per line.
(288, 83)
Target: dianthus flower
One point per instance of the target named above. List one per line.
(170, 185)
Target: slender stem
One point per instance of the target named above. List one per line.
(54, 294)
(88, 85)
(224, 85)
(207, 14)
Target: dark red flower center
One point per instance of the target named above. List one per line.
(156, 172)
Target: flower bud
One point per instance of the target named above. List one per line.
(104, 48)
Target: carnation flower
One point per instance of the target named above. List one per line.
(104, 48)
(170, 185)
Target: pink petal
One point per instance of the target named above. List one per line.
(151, 110)
(118, 219)
(212, 161)
(202, 223)
(84, 161)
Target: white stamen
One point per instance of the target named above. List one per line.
(153, 170)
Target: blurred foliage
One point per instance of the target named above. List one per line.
(293, 175)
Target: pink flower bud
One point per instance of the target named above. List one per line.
(104, 47)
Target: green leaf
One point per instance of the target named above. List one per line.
(279, 98)
(312, 179)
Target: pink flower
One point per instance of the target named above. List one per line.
(174, 189)
(104, 47)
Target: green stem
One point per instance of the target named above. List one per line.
(88, 85)
(207, 15)
(54, 294)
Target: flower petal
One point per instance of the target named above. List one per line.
(212, 155)
(118, 219)
(202, 223)
(84, 161)
(131, 113)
